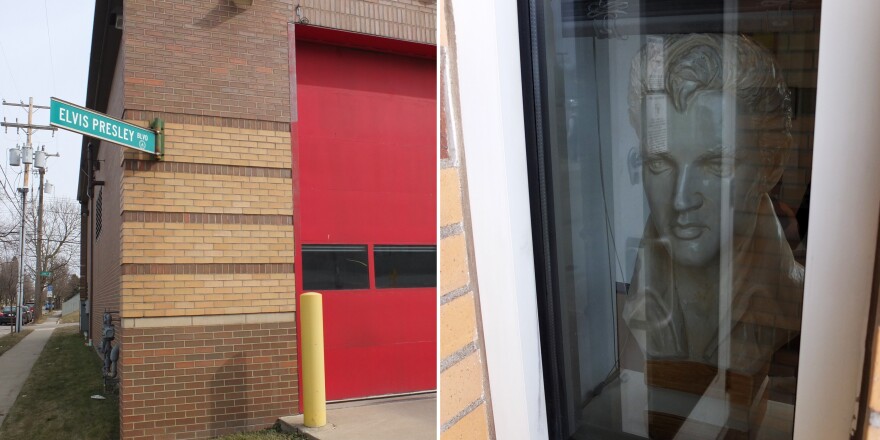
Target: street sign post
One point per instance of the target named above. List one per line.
(88, 122)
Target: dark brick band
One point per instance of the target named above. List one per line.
(206, 268)
(214, 121)
(201, 168)
(199, 218)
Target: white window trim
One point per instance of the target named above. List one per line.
(844, 207)
(845, 202)
(490, 93)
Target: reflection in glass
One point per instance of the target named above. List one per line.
(714, 134)
(405, 266)
(675, 162)
(335, 267)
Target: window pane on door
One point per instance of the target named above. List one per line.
(405, 266)
(335, 267)
(672, 167)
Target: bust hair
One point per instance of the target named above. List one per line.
(692, 63)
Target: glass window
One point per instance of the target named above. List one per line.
(670, 160)
(405, 266)
(335, 267)
(99, 213)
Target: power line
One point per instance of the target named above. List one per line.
(6, 193)
(27, 160)
(51, 58)
(9, 68)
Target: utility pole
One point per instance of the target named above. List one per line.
(27, 156)
(40, 164)
(38, 287)
(28, 151)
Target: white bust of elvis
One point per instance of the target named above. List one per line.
(714, 270)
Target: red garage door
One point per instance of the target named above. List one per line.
(364, 151)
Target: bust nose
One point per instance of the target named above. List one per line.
(687, 197)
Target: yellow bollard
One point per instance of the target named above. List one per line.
(314, 396)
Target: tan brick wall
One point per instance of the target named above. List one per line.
(204, 381)
(206, 193)
(873, 402)
(796, 54)
(870, 392)
(175, 243)
(798, 57)
(210, 144)
(197, 295)
(411, 20)
(209, 229)
(465, 408)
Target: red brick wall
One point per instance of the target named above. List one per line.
(207, 381)
(206, 57)
(106, 279)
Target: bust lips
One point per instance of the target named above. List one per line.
(688, 231)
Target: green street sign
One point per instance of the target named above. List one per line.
(45, 274)
(91, 123)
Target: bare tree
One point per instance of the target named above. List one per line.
(9, 250)
(8, 281)
(65, 287)
(59, 245)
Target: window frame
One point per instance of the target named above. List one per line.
(493, 135)
(492, 80)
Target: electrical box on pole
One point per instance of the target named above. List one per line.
(40, 160)
(14, 157)
(27, 155)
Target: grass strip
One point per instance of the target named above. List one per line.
(56, 403)
(266, 434)
(70, 318)
(10, 339)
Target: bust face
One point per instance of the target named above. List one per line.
(687, 167)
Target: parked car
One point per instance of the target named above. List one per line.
(7, 315)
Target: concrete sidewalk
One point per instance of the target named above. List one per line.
(16, 364)
(395, 418)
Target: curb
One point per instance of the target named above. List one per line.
(294, 429)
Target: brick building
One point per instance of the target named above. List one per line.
(269, 137)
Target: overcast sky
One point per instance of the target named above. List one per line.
(44, 52)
